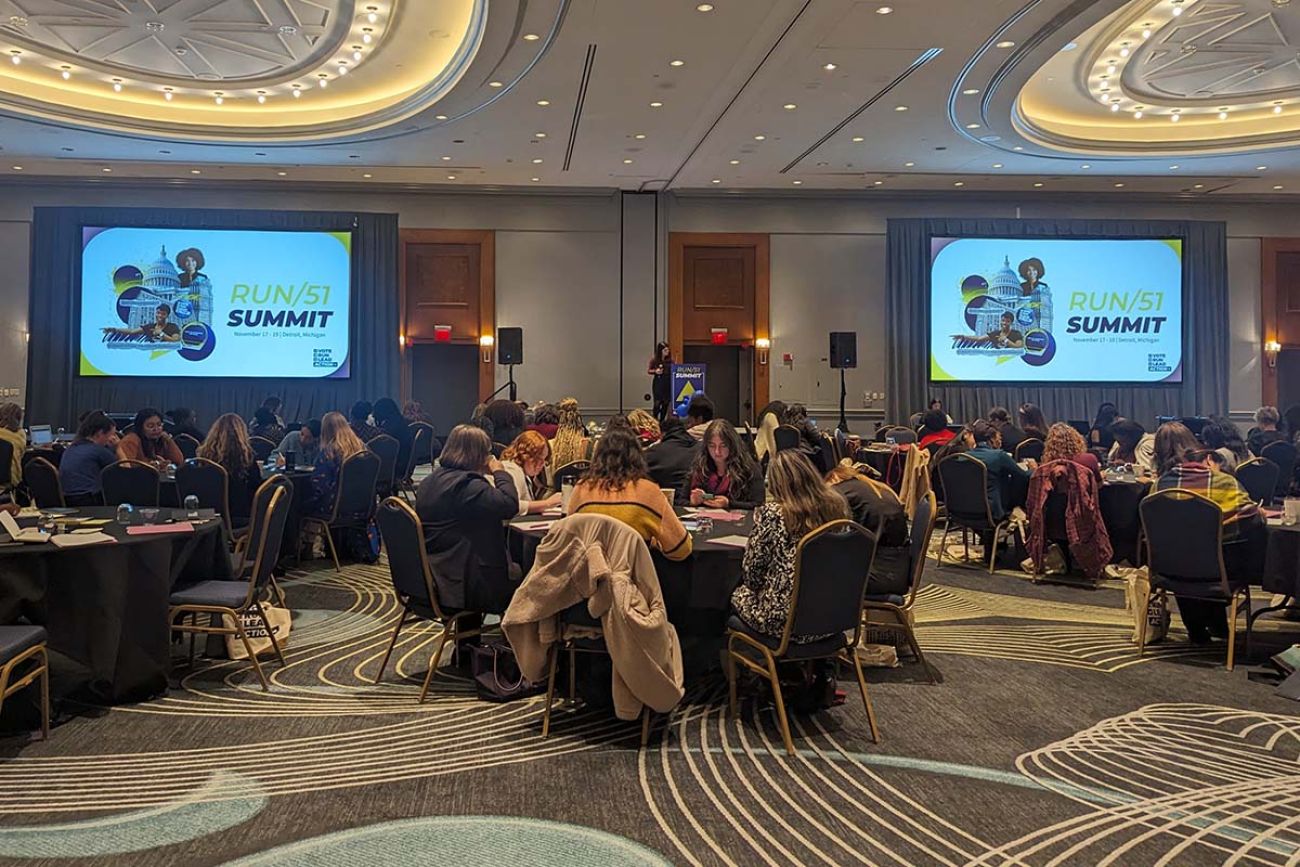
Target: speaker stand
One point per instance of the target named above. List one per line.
(514, 393)
(844, 417)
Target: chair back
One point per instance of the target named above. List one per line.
(1030, 449)
(927, 514)
(270, 534)
(188, 445)
(421, 444)
(387, 448)
(1259, 477)
(1184, 533)
(902, 435)
(571, 472)
(208, 481)
(1283, 454)
(6, 463)
(831, 565)
(498, 449)
(262, 448)
(355, 497)
(408, 560)
(786, 437)
(825, 460)
(261, 503)
(965, 488)
(133, 482)
(42, 479)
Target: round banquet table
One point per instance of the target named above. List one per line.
(1119, 498)
(105, 606)
(1282, 559)
(696, 590)
(299, 476)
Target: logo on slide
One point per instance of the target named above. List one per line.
(1008, 314)
(163, 306)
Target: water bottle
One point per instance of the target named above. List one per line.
(191, 506)
(125, 514)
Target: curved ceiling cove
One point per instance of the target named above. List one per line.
(232, 70)
(1171, 76)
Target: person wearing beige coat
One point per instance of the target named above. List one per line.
(603, 561)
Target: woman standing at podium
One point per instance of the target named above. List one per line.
(662, 388)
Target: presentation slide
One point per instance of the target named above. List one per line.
(215, 302)
(1019, 310)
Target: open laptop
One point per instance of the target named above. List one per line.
(41, 435)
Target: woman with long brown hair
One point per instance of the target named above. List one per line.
(525, 461)
(661, 387)
(338, 442)
(570, 443)
(1064, 443)
(800, 503)
(723, 475)
(227, 444)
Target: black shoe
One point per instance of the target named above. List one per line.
(1198, 635)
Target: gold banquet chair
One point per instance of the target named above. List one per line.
(895, 613)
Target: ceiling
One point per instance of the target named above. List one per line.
(958, 96)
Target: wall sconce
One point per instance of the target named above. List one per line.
(1271, 349)
(763, 345)
(486, 342)
(401, 340)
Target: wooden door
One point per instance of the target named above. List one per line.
(448, 278)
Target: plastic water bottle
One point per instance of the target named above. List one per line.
(125, 514)
(191, 506)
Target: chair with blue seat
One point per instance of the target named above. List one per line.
(894, 613)
(224, 603)
(831, 566)
(408, 562)
(24, 661)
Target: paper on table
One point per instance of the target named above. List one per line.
(150, 529)
(29, 534)
(720, 515)
(734, 541)
(555, 512)
(534, 525)
(69, 540)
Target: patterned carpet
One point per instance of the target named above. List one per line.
(1047, 741)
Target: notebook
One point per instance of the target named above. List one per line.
(78, 540)
(31, 534)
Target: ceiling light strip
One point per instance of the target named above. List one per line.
(921, 60)
(578, 104)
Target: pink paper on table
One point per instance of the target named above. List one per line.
(720, 515)
(150, 529)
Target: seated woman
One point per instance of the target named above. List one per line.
(1099, 435)
(266, 425)
(148, 441)
(570, 442)
(1185, 464)
(525, 461)
(770, 418)
(185, 421)
(876, 507)
(338, 442)
(462, 504)
(1222, 435)
(646, 427)
(1064, 443)
(11, 431)
(546, 420)
(809, 439)
(618, 485)
(801, 502)
(1008, 482)
(722, 476)
(1133, 445)
(227, 444)
(94, 448)
(934, 429)
(1032, 421)
(389, 420)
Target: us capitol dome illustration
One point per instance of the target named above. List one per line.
(1006, 296)
(162, 285)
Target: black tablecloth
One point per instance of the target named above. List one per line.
(1282, 560)
(105, 606)
(1119, 501)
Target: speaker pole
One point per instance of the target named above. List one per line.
(514, 393)
(844, 416)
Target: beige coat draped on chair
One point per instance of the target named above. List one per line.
(603, 561)
(916, 480)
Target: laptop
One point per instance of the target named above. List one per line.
(41, 435)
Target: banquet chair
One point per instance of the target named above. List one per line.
(21, 644)
(228, 601)
(1259, 477)
(1283, 454)
(571, 472)
(354, 500)
(262, 448)
(188, 445)
(1184, 543)
(249, 538)
(422, 443)
(902, 435)
(133, 482)
(966, 500)
(387, 448)
(42, 480)
(405, 483)
(1030, 449)
(209, 482)
(825, 458)
(786, 437)
(831, 565)
(6, 466)
(408, 562)
(895, 613)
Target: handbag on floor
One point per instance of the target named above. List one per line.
(280, 620)
(1154, 617)
(496, 673)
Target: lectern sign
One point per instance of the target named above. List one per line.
(687, 380)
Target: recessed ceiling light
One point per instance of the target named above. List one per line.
(1173, 168)
(537, 161)
(830, 67)
(677, 63)
(972, 126)
(857, 139)
(1146, 32)
(531, 37)
(877, 183)
(365, 35)
(367, 175)
(1017, 148)
(735, 162)
(195, 172)
(446, 157)
(297, 91)
(1006, 43)
(1178, 8)
(356, 55)
(117, 86)
(1124, 52)
(342, 68)
(997, 165)
(535, 180)
(656, 104)
(1086, 166)
(909, 164)
(1261, 168)
(440, 117)
(1119, 185)
(282, 174)
(760, 137)
(716, 181)
(1114, 106)
(971, 91)
(900, 108)
(543, 102)
(261, 99)
(17, 168)
(1069, 46)
(1173, 118)
(1223, 115)
(1198, 186)
(106, 170)
(796, 183)
(789, 106)
(704, 7)
(490, 83)
(1137, 115)
(219, 100)
(959, 183)
(1277, 186)
(1277, 109)
(323, 81)
(167, 94)
(66, 73)
(1038, 183)
(16, 57)
(627, 162)
(539, 135)
(884, 10)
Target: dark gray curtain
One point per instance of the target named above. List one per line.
(1204, 389)
(57, 395)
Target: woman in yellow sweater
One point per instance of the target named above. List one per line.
(11, 431)
(618, 485)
